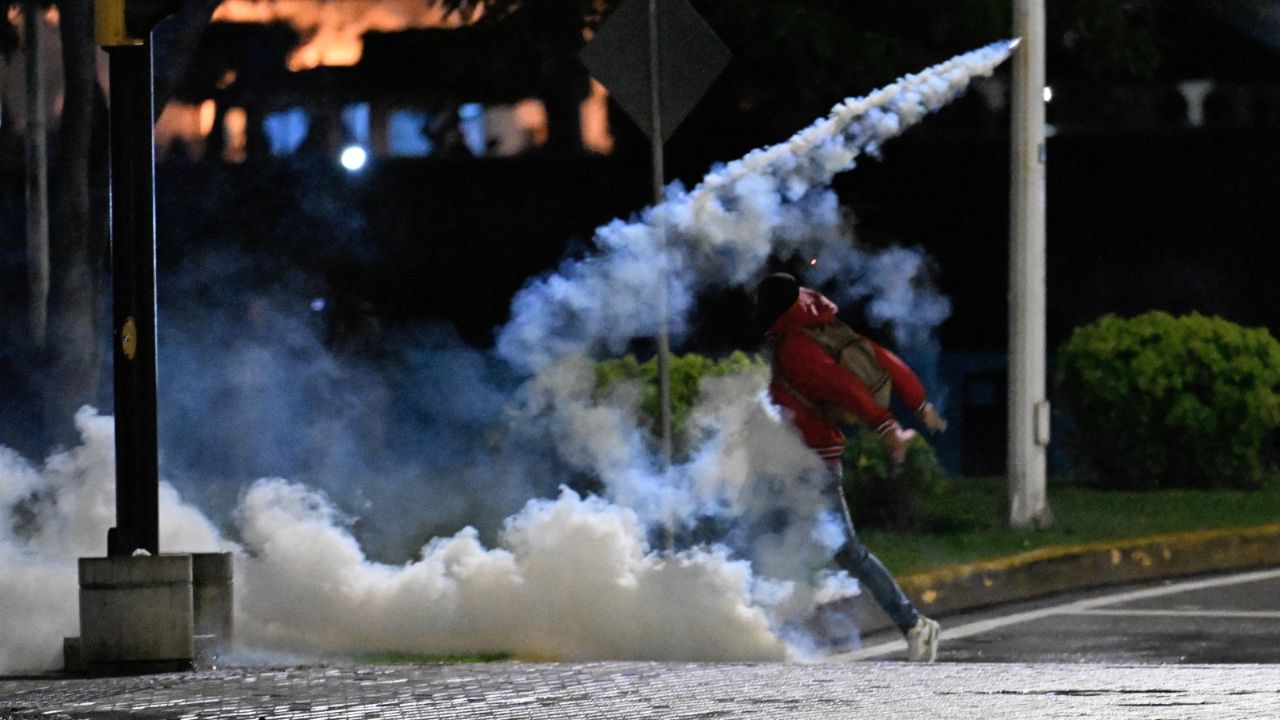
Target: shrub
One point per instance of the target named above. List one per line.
(686, 371)
(1171, 402)
(888, 497)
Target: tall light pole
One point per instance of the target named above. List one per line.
(124, 29)
(1028, 402)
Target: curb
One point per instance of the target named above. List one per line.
(1055, 569)
(1061, 568)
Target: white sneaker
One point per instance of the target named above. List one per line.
(922, 640)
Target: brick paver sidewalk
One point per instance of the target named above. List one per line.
(662, 690)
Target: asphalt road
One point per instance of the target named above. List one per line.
(1211, 620)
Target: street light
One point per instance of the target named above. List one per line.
(353, 158)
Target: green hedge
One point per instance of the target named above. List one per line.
(885, 496)
(1160, 401)
(686, 371)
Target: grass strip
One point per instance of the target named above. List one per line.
(970, 523)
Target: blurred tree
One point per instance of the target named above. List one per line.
(175, 41)
(77, 248)
(36, 159)
(77, 324)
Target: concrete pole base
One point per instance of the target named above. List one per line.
(151, 614)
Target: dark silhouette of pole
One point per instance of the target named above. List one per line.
(124, 29)
(133, 252)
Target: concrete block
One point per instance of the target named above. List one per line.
(71, 660)
(212, 590)
(136, 612)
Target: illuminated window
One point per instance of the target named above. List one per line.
(235, 124)
(471, 120)
(355, 118)
(406, 134)
(286, 130)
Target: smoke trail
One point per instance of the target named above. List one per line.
(774, 201)
(568, 574)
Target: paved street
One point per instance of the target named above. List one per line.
(1225, 619)
(1139, 652)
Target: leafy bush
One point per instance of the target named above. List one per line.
(888, 497)
(1171, 402)
(686, 371)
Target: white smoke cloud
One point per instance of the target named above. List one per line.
(572, 575)
(572, 579)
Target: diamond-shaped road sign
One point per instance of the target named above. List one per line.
(690, 57)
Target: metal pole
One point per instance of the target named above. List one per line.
(1028, 404)
(656, 142)
(133, 249)
(37, 175)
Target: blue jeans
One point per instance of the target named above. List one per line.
(858, 561)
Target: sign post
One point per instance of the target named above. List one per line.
(678, 57)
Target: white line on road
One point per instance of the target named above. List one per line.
(982, 626)
(1245, 614)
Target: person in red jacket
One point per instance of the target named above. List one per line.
(825, 375)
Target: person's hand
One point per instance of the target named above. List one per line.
(931, 419)
(896, 440)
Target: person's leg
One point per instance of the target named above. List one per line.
(921, 632)
(862, 563)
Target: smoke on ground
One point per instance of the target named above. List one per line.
(721, 555)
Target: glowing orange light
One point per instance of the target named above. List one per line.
(596, 135)
(331, 31)
(52, 16)
(227, 78)
(235, 125)
(186, 125)
(532, 116)
(207, 114)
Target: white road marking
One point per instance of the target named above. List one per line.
(1079, 606)
(1245, 614)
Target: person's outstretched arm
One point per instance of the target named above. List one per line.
(908, 388)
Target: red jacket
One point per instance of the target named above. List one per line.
(813, 373)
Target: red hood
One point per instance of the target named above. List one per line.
(811, 308)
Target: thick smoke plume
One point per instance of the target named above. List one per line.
(721, 555)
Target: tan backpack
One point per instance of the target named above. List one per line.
(855, 354)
